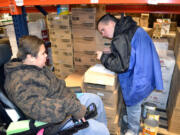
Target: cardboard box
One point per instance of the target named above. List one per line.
(113, 126)
(55, 19)
(74, 80)
(167, 68)
(161, 46)
(144, 20)
(63, 46)
(81, 68)
(60, 41)
(98, 74)
(173, 26)
(66, 57)
(177, 44)
(171, 39)
(60, 33)
(173, 109)
(109, 98)
(174, 96)
(149, 31)
(157, 26)
(84, 59)
(83, 33)
(83, 10)
(63, 68)
(165, 25)
(32, 17)
(84, 44)
(85, 20)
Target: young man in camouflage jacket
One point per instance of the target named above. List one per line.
(41, 95)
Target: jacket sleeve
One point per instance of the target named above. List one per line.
(118, 59)
(72, 105)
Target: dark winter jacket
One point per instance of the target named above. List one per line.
(118, 60)
(39, 94)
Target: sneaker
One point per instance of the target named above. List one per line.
(125, 119)
(130, 132)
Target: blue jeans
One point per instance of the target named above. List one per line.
(134, 116)
(97, 126)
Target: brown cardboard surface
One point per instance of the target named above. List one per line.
(100, 78)
(74, 80)
(177, 45)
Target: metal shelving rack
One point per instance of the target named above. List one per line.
(17, 8)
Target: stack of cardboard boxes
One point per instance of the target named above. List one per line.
(144, 20)
(84, 37)
(173, 108)
(103, 82)
(12, 39)
(167, 62)
(61, 44)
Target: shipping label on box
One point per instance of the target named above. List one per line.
(62, 19)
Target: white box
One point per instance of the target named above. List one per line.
(167, 68)
(98, 74)
(161, 46)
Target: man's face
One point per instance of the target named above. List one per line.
(106, 29)
(41, 57)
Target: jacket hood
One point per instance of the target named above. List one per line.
(124, 24)
(16, 64)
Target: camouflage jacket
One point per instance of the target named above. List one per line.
(39, 94)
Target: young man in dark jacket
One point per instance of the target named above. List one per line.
(133, 56)
(44, 97)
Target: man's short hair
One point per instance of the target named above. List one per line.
(29, 45)
(106, 18)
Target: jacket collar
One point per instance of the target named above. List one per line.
(123, 25)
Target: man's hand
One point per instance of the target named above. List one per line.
(99, 54)
(83, 119)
